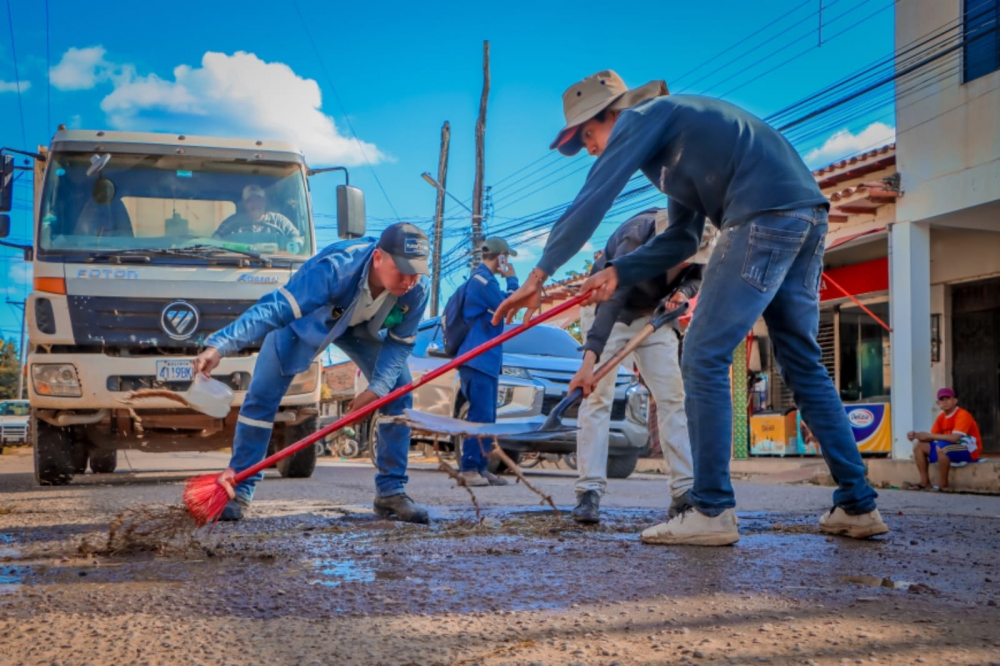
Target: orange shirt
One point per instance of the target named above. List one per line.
(959, 421)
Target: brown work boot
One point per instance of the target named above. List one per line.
(401, 507)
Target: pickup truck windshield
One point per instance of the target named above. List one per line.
(149, 203)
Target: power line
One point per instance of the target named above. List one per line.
(17, 76)
(343, 110)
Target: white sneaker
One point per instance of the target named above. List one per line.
(694, 528)
(838, 521)
(474, 479)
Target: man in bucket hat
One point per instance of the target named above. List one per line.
(365, 296)
(717, 164)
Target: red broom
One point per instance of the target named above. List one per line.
(206, 496)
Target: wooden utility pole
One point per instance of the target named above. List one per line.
(442, 180)
(477, 190)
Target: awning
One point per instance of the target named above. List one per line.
(858, 238)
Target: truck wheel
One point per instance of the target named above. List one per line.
(620, 467)
(299, 465)
(53, 449)
(103, 461)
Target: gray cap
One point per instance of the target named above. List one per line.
(408, 246)
(497, 246)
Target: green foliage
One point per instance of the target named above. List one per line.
(10, 366)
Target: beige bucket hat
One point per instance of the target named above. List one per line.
(587, 98)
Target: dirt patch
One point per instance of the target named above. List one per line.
(156, 528)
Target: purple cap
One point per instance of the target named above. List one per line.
(945, 393)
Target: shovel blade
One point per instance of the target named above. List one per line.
(503, 431)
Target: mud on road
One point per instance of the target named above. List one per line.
(315, 582)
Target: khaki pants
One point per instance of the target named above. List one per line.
(660, 368)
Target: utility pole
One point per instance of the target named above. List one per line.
(477, 190)
(20, 350)
(442, 180)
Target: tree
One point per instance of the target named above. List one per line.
(10, 366)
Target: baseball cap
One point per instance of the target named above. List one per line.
(498, 246)
(253, 191)
(945, 393)
(408, 246)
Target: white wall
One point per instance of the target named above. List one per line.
(948, 134)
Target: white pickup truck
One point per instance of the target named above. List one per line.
(14, 418)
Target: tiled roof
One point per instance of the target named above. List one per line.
(857, 166)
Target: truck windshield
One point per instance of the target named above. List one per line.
(150, 203)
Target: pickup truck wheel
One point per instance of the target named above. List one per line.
(621, 466)
(369, 436)
(53, 450)
(497, 466)
(103, 461)
(299, 465)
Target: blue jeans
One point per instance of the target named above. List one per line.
(268, 387)
(768, 265)
(480, 391)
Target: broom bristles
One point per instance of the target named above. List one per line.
(205, 498)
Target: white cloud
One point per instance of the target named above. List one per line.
(237, 95)
(11, 86)
(82, 69)
(844, 143)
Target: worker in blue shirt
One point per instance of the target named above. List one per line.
(480, 376)
(365, 296)
(720, 164)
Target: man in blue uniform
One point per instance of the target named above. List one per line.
(480, 376)
(365, 296)
(718, 164)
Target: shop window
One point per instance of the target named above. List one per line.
(865, 372)
(981, 48)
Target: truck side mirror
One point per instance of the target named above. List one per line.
(4, 226)
(350, 212)
(6, 182)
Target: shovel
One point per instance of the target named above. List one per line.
(553, 426)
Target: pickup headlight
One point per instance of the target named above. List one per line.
(638, 403)
(514, 371)
(505, 396)
(305, 382)
(56, 379)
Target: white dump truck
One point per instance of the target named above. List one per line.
(144, 245)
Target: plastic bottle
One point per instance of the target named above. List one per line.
(210, 396)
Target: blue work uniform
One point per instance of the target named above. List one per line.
(296, 323)
(480, 376)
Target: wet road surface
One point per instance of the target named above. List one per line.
(313, 577)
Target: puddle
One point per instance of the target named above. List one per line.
(5, 551)
(10, 579)
(344, 571)
(878, 581)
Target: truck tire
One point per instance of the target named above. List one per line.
(53, 451)
(103, 461)
(622, 466)
(299, 465)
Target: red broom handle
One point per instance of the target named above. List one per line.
(826, 276)
(359, 414)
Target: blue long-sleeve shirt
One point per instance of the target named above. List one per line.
(715, 162)
(314, 310)
(482, 297)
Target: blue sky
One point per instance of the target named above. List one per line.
(394, 71)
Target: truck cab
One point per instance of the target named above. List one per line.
(144, 245)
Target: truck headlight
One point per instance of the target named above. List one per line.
(505, 396)
(638, 404)
(514, 371)
(305, 382)
(56, 379)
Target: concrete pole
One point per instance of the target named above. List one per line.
(442, 180)
(20, 374)
(910, 316)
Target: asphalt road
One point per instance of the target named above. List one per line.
(313, 577)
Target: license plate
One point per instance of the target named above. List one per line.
(174, 371)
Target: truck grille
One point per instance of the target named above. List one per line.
(618, 408)
(114, 321)
(237, 381)
(14, 432)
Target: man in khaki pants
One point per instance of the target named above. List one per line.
(607, 329)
